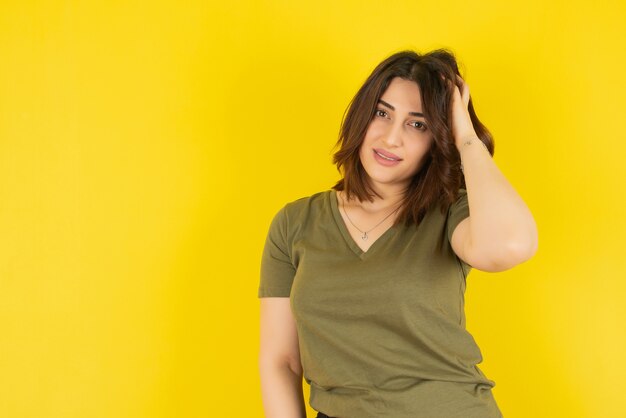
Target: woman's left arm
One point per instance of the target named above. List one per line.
(501, 231)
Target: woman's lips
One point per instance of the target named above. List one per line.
(386, 158)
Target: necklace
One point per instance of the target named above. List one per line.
(365, 236)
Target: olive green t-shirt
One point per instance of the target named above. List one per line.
(381, 333)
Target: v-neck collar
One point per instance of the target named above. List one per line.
(334, 204)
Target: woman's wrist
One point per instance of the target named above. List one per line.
(467, 144)
(468, 141)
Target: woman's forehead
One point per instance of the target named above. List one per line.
(403, 95)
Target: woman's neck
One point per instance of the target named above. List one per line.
(389, 198)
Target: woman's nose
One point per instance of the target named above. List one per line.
(393, 136)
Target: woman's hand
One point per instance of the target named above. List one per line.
(462, 128)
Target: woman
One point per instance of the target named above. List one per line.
(362, 285)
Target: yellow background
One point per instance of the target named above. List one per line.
(145, 146)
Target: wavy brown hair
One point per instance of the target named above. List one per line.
(440, 177)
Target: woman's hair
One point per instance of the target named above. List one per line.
(440, 176)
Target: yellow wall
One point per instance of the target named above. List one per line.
(145, 146)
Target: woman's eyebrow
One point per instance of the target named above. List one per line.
(384, 103)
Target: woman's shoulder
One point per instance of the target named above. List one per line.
(314, 202)
(297, 214)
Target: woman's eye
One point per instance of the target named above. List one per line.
(419, 125)
(380, 113)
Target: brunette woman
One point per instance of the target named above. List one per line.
(362, 285)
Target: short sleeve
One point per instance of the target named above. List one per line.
(458, 211)
(277, 269)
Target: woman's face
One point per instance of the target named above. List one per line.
(398, 137)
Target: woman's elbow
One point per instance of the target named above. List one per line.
(505, 256)
(517, 252)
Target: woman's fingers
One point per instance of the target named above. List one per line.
(464, 89)
(461, 86)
